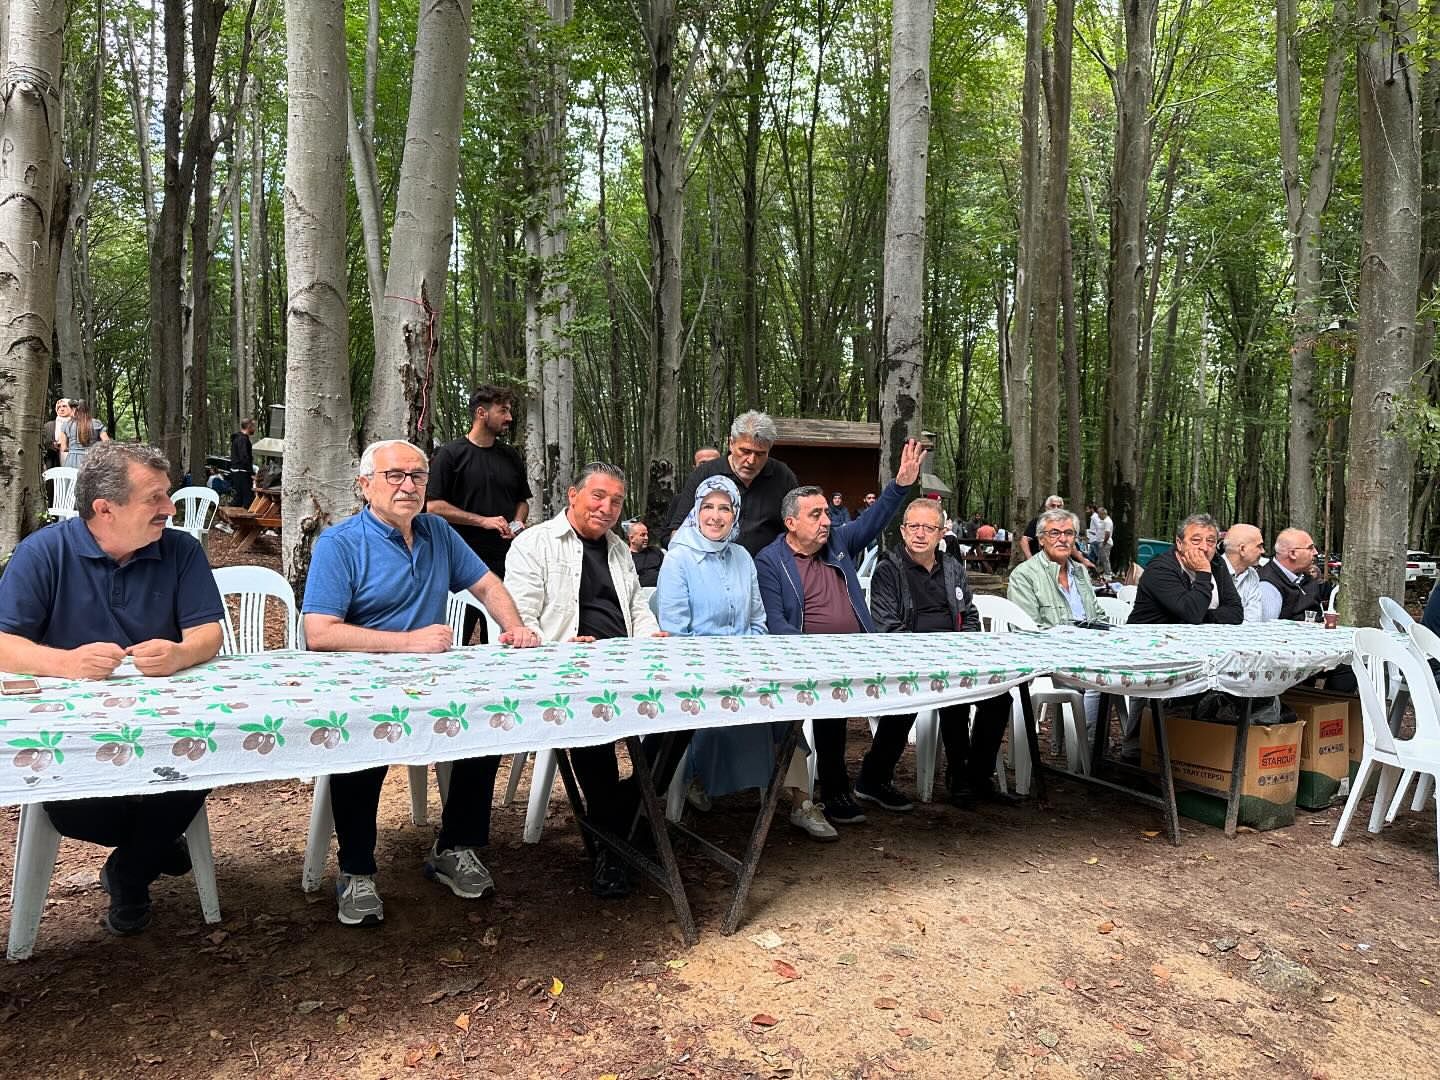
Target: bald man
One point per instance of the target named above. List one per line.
(1244, 547)
(1288, 588)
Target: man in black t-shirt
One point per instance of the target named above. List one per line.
(647, 559)
(762, 480)
(242, 464)
(478, 484)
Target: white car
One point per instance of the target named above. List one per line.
(1419, 564)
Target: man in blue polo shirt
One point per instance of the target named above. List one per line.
(77, 600)
(379, 582)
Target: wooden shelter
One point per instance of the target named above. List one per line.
(840, 455)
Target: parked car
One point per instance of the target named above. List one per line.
(1419, 564)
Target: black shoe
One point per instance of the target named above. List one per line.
(963, 798)
(129, 911)
(609, 881)
(886, 796)
(176, 862)
(843, 810)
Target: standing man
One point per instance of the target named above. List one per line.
(809, 585)
(1288, 586)
(762, 480)
(1244, 547)
(79, 598)
(242, 464)
(1094, 532)
(917, 589)
(573, 580)
(478, 484)
(647, 559)
(1107, 541)
(49, 444)
(379, 582)
(1029, 542)
(1189, 583)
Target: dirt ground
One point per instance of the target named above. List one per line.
(1069, 939)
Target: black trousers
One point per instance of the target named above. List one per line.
(242, 480)
(610, 802)
(465, 821)
(969, 755)
(831, 776)
(141, 828)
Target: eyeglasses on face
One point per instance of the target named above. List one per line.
(1059, 534)
(921, 527)
(396, 477)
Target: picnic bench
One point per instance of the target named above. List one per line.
(263, 513)
(987, 556)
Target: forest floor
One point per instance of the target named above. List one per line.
(1069, 939)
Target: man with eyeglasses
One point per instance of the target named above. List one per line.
(1288, 585)
(1052, 586)
(1189, 583)
(379, 582)
(919, 589)
(762, 480)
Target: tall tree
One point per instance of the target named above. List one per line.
(31, 50)
(1306, 195)
(412, 308)
(902, 398)
(1377, 480)
(318, 485)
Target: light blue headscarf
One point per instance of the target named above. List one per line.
(689, 534)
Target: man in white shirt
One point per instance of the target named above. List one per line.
(1244, 547)
(1288, 588)
(1107, 540)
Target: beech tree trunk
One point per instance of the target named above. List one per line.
(902, 395)
(1132, 82)
(412, 309)
(1377, 481)
(74, 334)
(30, 159)
(1306, 195)
(319, 475)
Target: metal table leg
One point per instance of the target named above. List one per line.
(1237, 772)
(1167, 777)
(1032, 739)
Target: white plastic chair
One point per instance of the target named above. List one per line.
(254, 585)
(196, 507)
(1427, 646)
(62, 495)
(1117, 611)
(999, 615)
(1334, 604)
(1374, 652)
(36, 846)
(1393, 616)
(1128, 593)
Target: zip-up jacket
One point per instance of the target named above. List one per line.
(892, 607)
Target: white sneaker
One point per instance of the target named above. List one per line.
(808, 818)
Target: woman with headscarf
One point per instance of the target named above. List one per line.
(708, 587)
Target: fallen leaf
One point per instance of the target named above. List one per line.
(413, 1058)
(1150, 834)
(1248, 951)
(306, 1007)
(768, 939)
(217, 937)
(463, 1021)
(1106, 927)
(556, 987)
(1047, 1038)
(933, 1015)
(676, 965)
(763, 1020)
(1092, 860)
(785, 971)
(491, 938)
(1160, 971)
(848, 959)
(886, 1003)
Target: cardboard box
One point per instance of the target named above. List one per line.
(1202, 755)
(1354, 736)
(1324, 748)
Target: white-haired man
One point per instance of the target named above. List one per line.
(379, 582)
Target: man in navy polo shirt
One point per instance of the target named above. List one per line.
(80, 597)
(379, 582)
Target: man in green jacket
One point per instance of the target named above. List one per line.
(1052, 586)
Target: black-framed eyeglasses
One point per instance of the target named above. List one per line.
(396, 477)
(921, 527)
(1059, 534)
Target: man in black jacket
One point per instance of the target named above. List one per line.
(242, 464)
(1190, 583)
(920, 590)
(763, 482)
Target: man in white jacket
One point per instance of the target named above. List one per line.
(573, 579)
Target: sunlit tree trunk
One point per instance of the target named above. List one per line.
(30, 131)
(1377, 482)
(318, 485)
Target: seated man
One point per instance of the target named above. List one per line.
(647, 559)
(379, 582)
(809, 585)
(918, 589)
(1244, 547)
(1288, 584)
(1052, 586)
(573, 580)
(81, 596)
(1189, 583)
